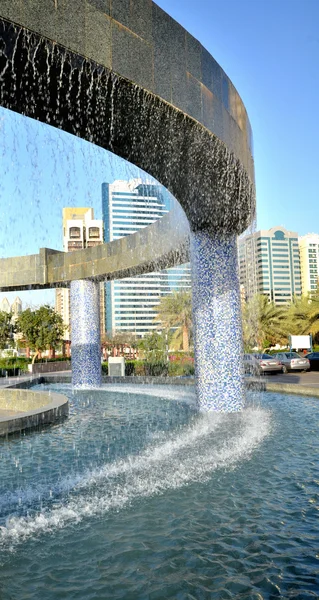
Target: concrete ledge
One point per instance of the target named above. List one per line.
(291, 388)
(22, 409)
(253, 383)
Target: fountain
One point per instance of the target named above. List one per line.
(199, 128)
(138, 494)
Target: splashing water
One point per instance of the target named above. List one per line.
(209, 442)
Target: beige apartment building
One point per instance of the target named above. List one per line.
(80, 230)
(269, 264)
(309, 262)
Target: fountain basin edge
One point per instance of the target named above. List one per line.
(27, 409)
(33, 409)
(250, 383)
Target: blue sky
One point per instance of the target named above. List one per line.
(269, 49)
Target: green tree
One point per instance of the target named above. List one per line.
(153, 346)
(175, 312)
(153, 349)
(41, 328)
(7, 329)
(118, 340)
(303, 315)
(264, 323)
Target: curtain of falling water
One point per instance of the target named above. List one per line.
(217, 322)
(85, 333)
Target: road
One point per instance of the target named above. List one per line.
(309, 379)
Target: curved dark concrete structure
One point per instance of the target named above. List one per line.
(163, 243)
(132, 80)
(124, 75)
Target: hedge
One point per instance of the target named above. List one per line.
(154, 369)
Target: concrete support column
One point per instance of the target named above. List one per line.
(217, 322)
(85, 333)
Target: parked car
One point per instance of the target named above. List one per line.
(313, 358)
(292, 361)
(257, 364)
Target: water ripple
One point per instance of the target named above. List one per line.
(140, 498)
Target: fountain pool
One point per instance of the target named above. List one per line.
(139, 496)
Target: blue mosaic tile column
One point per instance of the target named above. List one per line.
(217, 322)
(85, 334)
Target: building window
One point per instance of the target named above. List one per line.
(280, 261)
(94, 232)
(279, 235)
(75, 232)
(281, 277)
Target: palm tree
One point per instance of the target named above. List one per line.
(175, 312)
(264, 323)
(303, 314)
(313, 313)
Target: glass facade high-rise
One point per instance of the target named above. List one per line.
(269, 264)
(128, 206)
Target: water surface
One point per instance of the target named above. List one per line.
(138, 496)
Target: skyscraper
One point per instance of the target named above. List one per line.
(269, 264)
(309, 262)
(128, 206)
(80, 230)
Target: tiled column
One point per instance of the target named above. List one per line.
(217, 322)
(85, 333)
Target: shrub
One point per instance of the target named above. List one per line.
(178, 369)
(14, 362)
(139, 367)
(130, 367)
(56, 359)
(156, 369)
(13, 365)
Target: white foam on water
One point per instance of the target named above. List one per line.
(144, 460)
(169, 393)
(191, 457)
